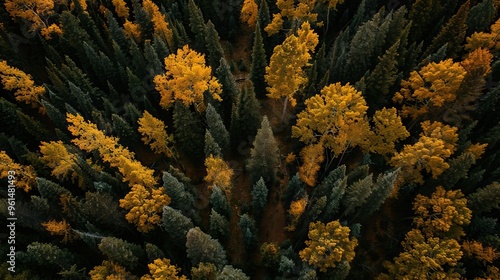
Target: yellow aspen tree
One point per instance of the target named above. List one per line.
(186, 78)
(249, 12)
(437, 142)
(57, 157)
(61, 228)
(121, 8)
(328, 245)
(219, 173)
(312, 157)
(336, 118)
(162, 269)
(424, 258)
(297, 208)
(109, 270)
(476, 249)
(132, 30)
(429, 89)
(24, 175)
(22, 84)
(145, 206)
(160, 25)
(37, 12)
(285, 74)
(443, 214)
(155, 135)
(387, 130)
(485, 40)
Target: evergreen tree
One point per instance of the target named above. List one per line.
(143, 18)
(231, 273)
(217, 128)
(259, 196)
(116, 32)
(259, 63)
(153, 252)
(54, 114)
(485, 199)
(230, 90)
(245, 116)
(120, 251)
(138, 60)
(264, 155)
(197, 25)
(356, 194)
(188, 131)
(212, 40)
(204, 271)
(480, 17)
(219, 202)
(181, 198)
(249, 230)
(211, 146)
(203, 248)
(47, 255)
(294, 190)
(125, 132)
(219, 226)
(175, 224)
(34, 127)
(380, 192)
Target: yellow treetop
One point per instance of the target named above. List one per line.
(249, 13)
(121, 8)
(285, 74)
(436, 143)
(109, 271)
(443, 214)
(485, 254)
(478, 62)
(61, 228)
(336, 118)
(328, 245)
(312, 157)
(37, 12)
(160, 25)
(433, 86)
(186, 79)
(132, 30)
(219, 173)
(57, 157)
(154, 134)
(424, 258)
(22, 84)
(297, 208)
(24, 175)
(388, 129)
(485, 40)
(162, 269)
(145, 206)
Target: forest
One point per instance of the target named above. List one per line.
(250, 139)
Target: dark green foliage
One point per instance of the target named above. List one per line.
(135, 84)
(423, 14)
(480, 17)
(188, 131)
(219, 202)
(116, 32)
(127, 134)
(219, 226)
(249, 230)
(203, 248)
(176, 224)
(33, 127)
(46, 255)
(286, 265)
(9, 119)
(356, 194)
(259, 196)
(231, 273)
(102, 210)
(50, 190)
(245, 117)
(459, 168)
(259, 63)
(485, 199)
(294, 190)
(138, 60)
(155, 64)
(263, 160)
(143, 18)
(215, 51)
(380, 192)
(54, 114)
(211, 146)
(120, 251)
(230, 90)
(181, 198)
(217, 128)
(197, 25)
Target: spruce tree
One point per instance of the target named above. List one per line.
(116, 32)
(217, 128)
(480, 17)
(125, 132)
(54, 114)
(245, 117)
(230, 90)
(211, 146)
(219, 202)
(201, 247)
(230, 273)
(380, 192)
(356, 194)
(120, 251)
(143, 18)
(219, 226)
(34, 127)
(259, 63)
(180, 196)
(264, 155)
(249, 230)
(175, 224)
(212, 40)
(188, 131)
(259, 197)
(197, 25)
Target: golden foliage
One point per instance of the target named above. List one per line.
(22, 84)
(37, 12)
(132, 30)
(160, 25)
(290, 158)
(162, 269)
(436, 143)
(388, 129)
(285, 74)
(249, 12)
(145, 206)
(109, 271)
(186, 79)
(485, 254)
(297, 208)
(61, 228)
(57, 157)
(219, 173)
(424, 258)
(477, 150)
(24, 174)
(312, 157)
(485, 40)
(121, 8)
(328, 245)
(336, 118)
(432, 87)
(443, 214)
(154, 134)
(478, 62)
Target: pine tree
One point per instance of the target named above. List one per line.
(249, 230)
(121, 251)
(143, 19)
(188, 131)
(211, 146)
(480, 17)
(219, 226)
(259, 197)
(263, 160)
(153, 252)
(217, 128)
(381, 190)
(197, 25)
(485, 199)
(175, 224)
(245, 116)
(230, 273)
(356, 194)
(124, 131)
(230, 90)
(47, 255)
(181, 198)
(203, 248)
(219, 202)
(212, 40)
(259, 63)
